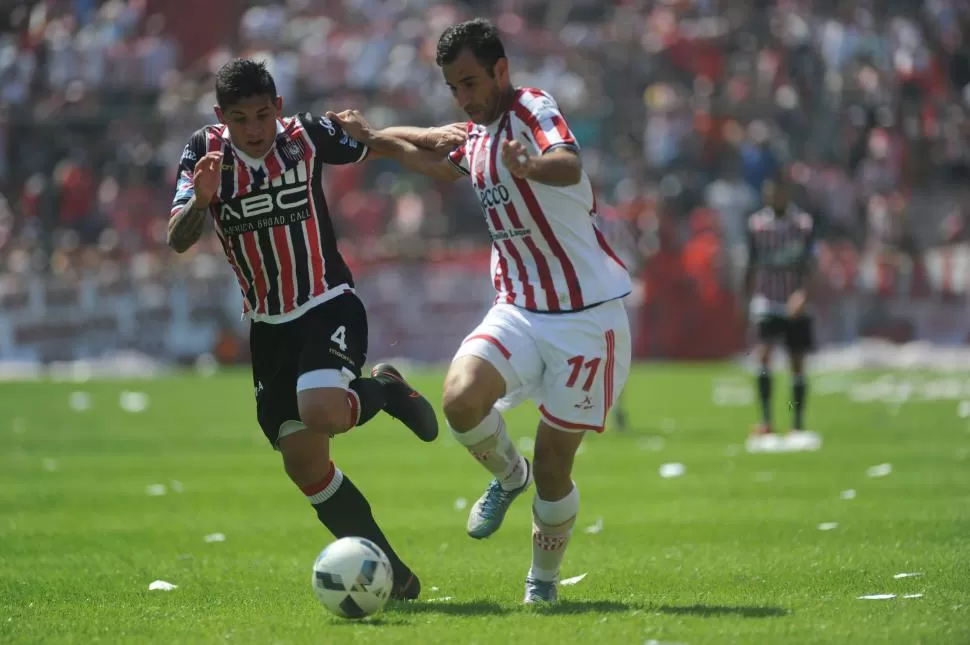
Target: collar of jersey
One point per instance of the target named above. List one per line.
(252, 162)
(499, 123)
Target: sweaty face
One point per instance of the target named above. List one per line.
(252, 123)
(476, 91)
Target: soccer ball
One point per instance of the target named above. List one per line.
(352, 577)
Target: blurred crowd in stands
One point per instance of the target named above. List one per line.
(682, 107)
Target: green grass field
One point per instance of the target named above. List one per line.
(730, 552)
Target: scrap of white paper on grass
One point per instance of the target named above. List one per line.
(672, 470)
(572, 581)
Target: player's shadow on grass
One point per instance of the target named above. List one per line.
(488, 608)
(713, 611)
(450, 607)
(587, 607)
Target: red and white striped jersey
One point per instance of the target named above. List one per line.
(547, 253)
(780, 250)
(271, 214)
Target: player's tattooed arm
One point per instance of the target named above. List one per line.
(185, 227)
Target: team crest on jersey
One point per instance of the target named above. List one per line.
(292, 151)
(480, 164)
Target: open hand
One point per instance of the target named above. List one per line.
(516, 158)
(206, 178)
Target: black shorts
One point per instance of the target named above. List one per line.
(797, 334)
(331, 336)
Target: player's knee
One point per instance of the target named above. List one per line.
(763, 355)
(325, 411)
(471, 389)
(463, 403)
(462, 408)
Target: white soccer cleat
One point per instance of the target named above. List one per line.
(803, 441)
(764, 443)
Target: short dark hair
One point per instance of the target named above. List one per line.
(780, 177)
(478, 36)
(241, 78)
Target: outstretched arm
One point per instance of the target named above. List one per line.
(440, 140)
(406, 153)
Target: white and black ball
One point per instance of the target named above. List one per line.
(352, 577)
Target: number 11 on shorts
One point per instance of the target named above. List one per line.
(578, 364)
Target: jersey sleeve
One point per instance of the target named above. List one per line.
(194, 150)
(334, 146)
(810, 251)
(545, 122)
(811, 247)
(459, 159)
(749, 241)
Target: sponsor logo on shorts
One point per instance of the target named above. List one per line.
(341, 356)
(585, 404)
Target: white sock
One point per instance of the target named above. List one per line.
(552, 524)
(490, 444)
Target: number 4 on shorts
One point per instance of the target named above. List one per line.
(339, 338)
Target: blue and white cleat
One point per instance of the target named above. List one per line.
(540, 591)
(488, 512)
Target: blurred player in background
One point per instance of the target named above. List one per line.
(258, 175)
(781, 253)
(557, 332)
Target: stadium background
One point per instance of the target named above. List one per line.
(682, 108)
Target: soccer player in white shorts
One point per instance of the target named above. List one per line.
(558, 332)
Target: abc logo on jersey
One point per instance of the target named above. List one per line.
(495, 196)
(285, 193)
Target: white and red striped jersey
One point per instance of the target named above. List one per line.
(780, 250)
(547, 253)
(271, 214)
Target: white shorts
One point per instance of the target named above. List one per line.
(573, 365)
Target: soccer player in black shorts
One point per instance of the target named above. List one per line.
(781, 251)
(258, 175)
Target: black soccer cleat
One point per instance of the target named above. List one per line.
(406, 404)
(410, 590)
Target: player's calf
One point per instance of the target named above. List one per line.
(554, 510)
(472, 387)
(339, 505)
(799, 390)
(763, 353)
